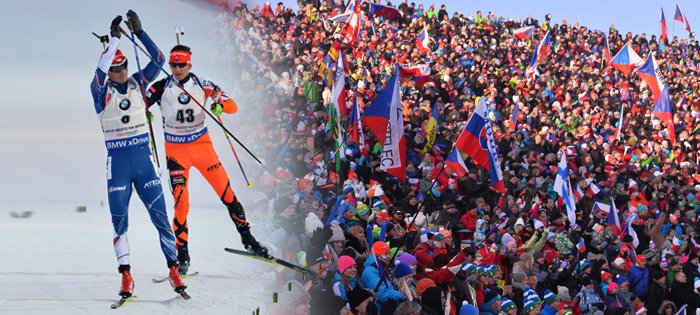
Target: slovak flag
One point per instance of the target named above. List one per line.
(383, 10)
(614, 219)
(524, 32)
(420, 74)
(664, 32)
(663, 110)
(651, 74)
(455, 163)
(681, 18)
(626, 59)
(545, 47)
(423, 41)
(385, 118)
(355, 126)
(562, 186)
(476, 140)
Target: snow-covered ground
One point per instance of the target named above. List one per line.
(59, 260)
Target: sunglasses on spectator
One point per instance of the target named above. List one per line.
(178, 64)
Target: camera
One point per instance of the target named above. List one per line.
(548, 17)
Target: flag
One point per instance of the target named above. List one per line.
(606, 51)
(651, 74)
(343, 17)
(351, 29)
(338, 91)
(581, 245)
(681, 18)
(329, 61)
(418, 73)
(545, 47)
(385, 118)
(683, 310)
(355, 126)
(455, 163)
(579, 193)
(676, 243)
(664, 112)
(600, 207)
(476, 140)
(562, 186)
(614, 218)
(664, 32)
(531, 70)
(383, 10)
(423, 41)
(630, 231)
(333, 129)
(524, 32)
(430, 129)
(592, 189)
(514, 116)
(626, 59)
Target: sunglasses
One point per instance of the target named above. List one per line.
(117, 68)
(178, 64)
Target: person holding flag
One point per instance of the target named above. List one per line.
(187, 145)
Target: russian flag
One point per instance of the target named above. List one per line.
(420, 74)
(524, 32)
(663, 111)
(562, 186)
(664, 32)
(385, 118)
(423, 41)
(614, 219)
(581, 246)
(476, 140)
(383, 10)
(681, 18)
(455, 163)
(651, 74)
(626, 59)
(545, 47)
(355, 126)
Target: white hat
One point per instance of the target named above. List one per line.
(538, 224)
(618, 261)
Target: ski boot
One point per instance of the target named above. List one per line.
(183, 258)
(176, 280)
(127, 288)
(253, 246)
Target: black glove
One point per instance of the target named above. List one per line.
(134, 22)
(114, 28)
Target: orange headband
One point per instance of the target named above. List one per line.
(180, 56)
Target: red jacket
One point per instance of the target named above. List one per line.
(426, 254)
(469, 220)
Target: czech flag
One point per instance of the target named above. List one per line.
(614, 219)
(606, 51)
(626, 59)
(385, 118)
(663, 110)
(531, 70)
(420, 74)
(664, 32)
(651, 74)
(423, 41)
(383, 10)
(545, 47)
(455, 163)
(524, 32)
(681, 18)
(476, 140)
(355, 126)
(562, 186)
(601, 207)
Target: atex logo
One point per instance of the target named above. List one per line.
(116, 188)
(152, 183)
(213, 167)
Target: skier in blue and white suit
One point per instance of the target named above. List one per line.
(120, 107)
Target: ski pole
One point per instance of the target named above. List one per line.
(170, 76)
(154, 147)
(236, 155)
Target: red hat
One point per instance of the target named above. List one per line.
(640, 309)
(119, 58)
(380, 248)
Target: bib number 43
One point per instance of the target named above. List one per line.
(185, 115)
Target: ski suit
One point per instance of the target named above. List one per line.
(187, 144)
(120, 109)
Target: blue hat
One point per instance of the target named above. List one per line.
(480, 271)
(621, 279)
(549, 297)
(402, 270)
(468, 309)
(582, 265)
(347, 189)
(491, 297)
(491, 270)
(507, 305)
(469, 268)
(529, 306)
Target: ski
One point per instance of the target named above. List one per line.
(272, 260)
(184, 295)
(163, 279)
(122, 301)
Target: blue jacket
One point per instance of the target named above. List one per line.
(548, 310)
(370, 278)
(639, 280)
(338, 287)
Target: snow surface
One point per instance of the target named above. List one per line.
(59, 260)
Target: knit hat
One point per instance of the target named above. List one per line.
(561, 290)
(618, 261)
(362, 209)
(549, 297)
(357, 296)
(507, 305)
(640, 309)
(612, 286)
(345, 262)
(605, 276)
(491, 270)
(538, 224)
(582, 265)
(468, 309)
(424, 284)
(347, 189)
(696, 283)
(406, 258)
(529, 306)
(469, 269)
(402, 270)
(480, 271)
(491, 296)
(519, 221)
(337, 232)
(621, 279)
(640, 258)
(380, 248)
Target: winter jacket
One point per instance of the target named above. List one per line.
(589, 301)
(683, 293)
(615, 305)
(548, 310)
(426, 255)
(656, 294)
(340, 289)
(370, 278)
(535, 244)
(639, 281)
